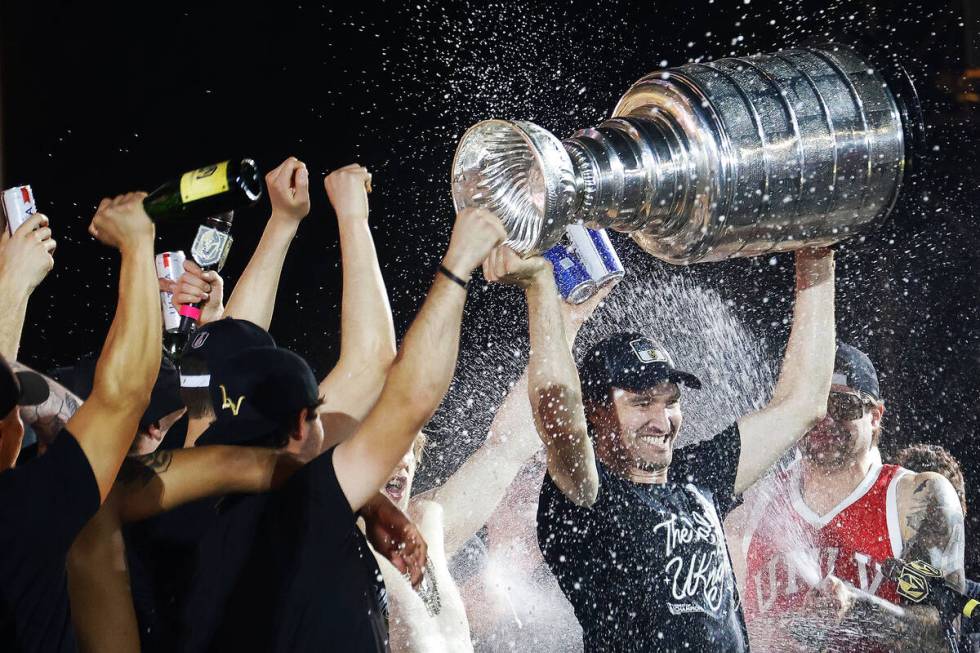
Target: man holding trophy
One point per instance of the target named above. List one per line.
(791, 151)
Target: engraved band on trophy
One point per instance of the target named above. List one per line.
(707, 161)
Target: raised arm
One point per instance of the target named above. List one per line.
(367, 332)
(471, 495)
(164, 480)
(25, 259)
(420, 376)
(800, 398)
(553, 384)
(254, 296)
(130, 360)
(47, 419)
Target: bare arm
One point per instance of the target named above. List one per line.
(13, 298)
(106, 423)
(164, 480)
(25, 259)
(553, 384)
(800, 398)
(98, 585)
(470, 496)
(254, 296)
(47, 419)
(367, 331)
(420, 376)
(932, 529)
(472, 493)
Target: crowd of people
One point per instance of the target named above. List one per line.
(282, 517)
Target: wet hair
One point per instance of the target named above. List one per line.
(197, 400)
(933, 458)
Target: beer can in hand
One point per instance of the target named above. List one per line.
(571, 276)
(170, 265)
(585, 263)
(18, 206)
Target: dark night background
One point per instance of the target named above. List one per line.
(98, 100)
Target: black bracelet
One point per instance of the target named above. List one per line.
(452, 277)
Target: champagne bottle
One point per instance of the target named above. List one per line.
(207, 191)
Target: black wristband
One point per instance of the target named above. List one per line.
(452, 277)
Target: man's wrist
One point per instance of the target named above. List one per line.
(351, 216)
(14, 288)
(370, 509)
(138, 245)
(457, 266)
(279, 217)
(542, 281)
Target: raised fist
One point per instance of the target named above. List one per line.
(504, 265)
(27, 255)
(122, 222)
(476, 233)
(196, 285)
(289, 190)
(348, 188)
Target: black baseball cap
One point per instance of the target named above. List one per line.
(20, 388)
(218, 341)
(853, 368)
(631, 361)
(164, 398)
(255, 391)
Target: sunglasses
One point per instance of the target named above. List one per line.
(846, 407)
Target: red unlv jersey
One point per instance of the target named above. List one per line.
(789, 547)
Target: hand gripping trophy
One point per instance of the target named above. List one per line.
(706, 161)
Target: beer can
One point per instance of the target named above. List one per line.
(18, 206)
(170, 265)
(596, 252)
(571, 276)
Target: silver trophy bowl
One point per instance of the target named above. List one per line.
(703, 162)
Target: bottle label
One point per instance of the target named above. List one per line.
(210, 248)
(204, 182)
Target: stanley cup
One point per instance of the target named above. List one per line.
(707, 161)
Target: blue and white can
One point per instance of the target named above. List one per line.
(571, 276)
(586, 263)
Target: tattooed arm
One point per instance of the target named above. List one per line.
(47, 419)
(931, 522)
(161, 481)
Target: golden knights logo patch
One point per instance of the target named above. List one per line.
(913, 583)
(647, 352)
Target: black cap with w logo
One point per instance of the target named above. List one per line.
(256, 393)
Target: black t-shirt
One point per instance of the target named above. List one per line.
(288, 571)
(161, 553)
(43, 505)
(647, 567)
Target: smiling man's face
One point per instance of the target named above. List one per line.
(645, 426)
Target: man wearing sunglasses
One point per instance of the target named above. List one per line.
(817, 535)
